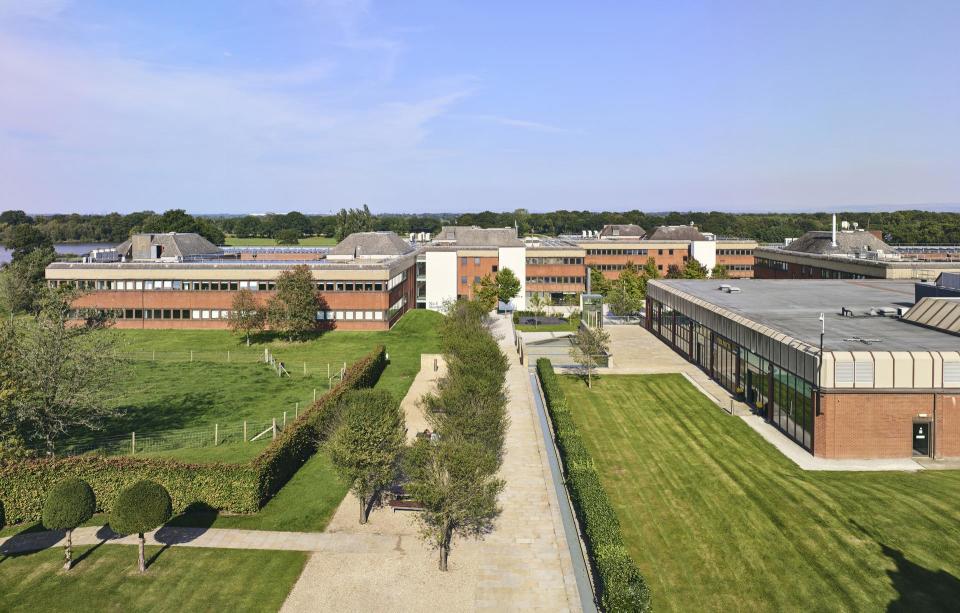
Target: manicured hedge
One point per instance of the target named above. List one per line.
(621, 586)
(238, 488)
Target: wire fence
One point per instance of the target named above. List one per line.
(213, 435)
(330, 369)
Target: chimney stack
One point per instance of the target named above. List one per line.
(833, 234)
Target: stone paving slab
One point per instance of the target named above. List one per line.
(524, 564)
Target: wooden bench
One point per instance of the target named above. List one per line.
(406, 505)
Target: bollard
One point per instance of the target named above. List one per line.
(245, 432)
(154, 355)
(133, 443)
(216, 434)
(314, 394)
(304, 368)
(284, 419)
(191, 355)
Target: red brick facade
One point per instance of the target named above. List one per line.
(880, 424)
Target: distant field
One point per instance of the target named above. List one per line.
(310, 241)
(718, 520)
(175, 394)
(105, 578)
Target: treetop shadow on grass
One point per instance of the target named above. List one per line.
(919, 588)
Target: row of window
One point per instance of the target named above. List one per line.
(542, 280)
(738, 266)
(214, 314)
(615, 267)
(734, 251)
(628, 251)
(222, 286)
(554, 260)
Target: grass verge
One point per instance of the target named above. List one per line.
(717, 519)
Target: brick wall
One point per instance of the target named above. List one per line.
(880, 425)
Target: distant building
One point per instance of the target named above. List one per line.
(852, 253)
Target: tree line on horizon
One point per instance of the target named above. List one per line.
(899, 227)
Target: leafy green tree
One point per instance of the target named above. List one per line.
(590, 344)
(627, 292)
(349, 221)
(178, 220)
(508, 285)
(69, 504)
(246, 316)
(650, 270)
(486, 292)
(455, 482)
(599, 284)
(538, 304)
(366, 447)
(693, 270)
(248, 227)
(287, 236)
(140, 508)
(63, 372)
(13, 218)
(719, 272)
(23, 239)
(292, 311)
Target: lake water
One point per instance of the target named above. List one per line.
(65, 248)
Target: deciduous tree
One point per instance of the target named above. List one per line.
(486, 292)
(508, 285)
(626, 294)
(454, 480)
(288, 236)
(246, 315)
(719, 272)
(366, 447)
(590, 344)
(293, 309)
(62, 372)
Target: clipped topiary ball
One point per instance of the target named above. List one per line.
(140, 508)
(68, 505)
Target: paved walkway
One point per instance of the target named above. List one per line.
(524, 564)
(217, 538)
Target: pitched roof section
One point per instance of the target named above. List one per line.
(938, 313)
(371, 245)
(622, 230)
(676, 233)
(847, 243)
(172, 245)
(473, 236)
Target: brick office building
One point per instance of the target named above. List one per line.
(886, 384)
(183, 281)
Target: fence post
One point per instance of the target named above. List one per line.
(133, 443)
(304, 368)
(216, 434)
(154, 355)
(274, 427)
(314, 394)
(191, 355)
(245, 432)
(228, 355)
(328, 370)
(284, 419)
(296, 411)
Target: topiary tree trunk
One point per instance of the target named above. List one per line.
(141, 559)
(68, 551)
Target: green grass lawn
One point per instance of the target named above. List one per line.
(310, 241)
(173, 394)
(717, 519)
(179, 579)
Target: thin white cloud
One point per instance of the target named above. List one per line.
(32, 9)
(523, 124)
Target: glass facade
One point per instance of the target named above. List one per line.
(784, 399)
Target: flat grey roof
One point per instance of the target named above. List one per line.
(793, 306)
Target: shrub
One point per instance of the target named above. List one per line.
(3, 517)
(140, 508)
(237, 488)
(70, 503)
(620, 583)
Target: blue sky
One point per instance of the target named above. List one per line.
(454, 106)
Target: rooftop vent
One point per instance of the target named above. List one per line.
(883, 312)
